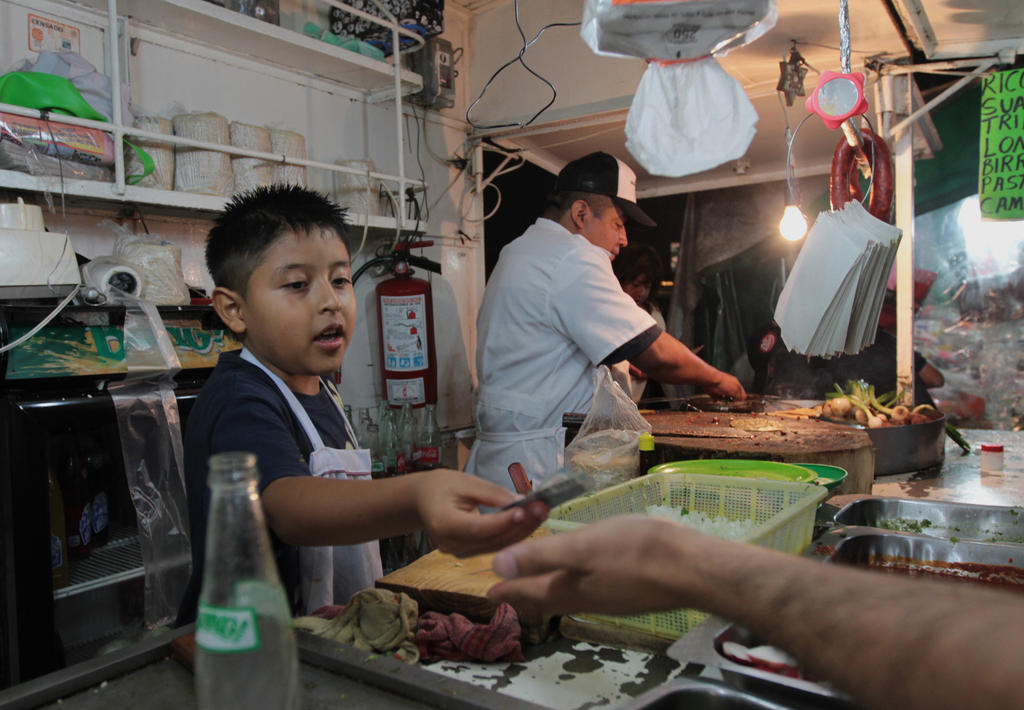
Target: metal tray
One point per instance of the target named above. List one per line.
(703, 645)
(755, 679)
(961, 521)
(985, 563)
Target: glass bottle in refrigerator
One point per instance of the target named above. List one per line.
(77, 503)
(58, 538)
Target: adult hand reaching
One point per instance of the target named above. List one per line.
(624, 564)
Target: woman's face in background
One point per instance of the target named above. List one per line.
(639, 289)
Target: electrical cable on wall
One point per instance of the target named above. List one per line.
(519, 58)
(45, 115)
(502, 169)
(67, 240)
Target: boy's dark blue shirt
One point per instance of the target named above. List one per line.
(241, 409)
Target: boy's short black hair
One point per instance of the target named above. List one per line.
(253, 220)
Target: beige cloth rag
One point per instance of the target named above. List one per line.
(373, 620)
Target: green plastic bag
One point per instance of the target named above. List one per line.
(49, 92)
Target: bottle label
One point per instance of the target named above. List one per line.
(427, 455)
(227, 629)
(56, 552)
(100, 512)
(85, 525)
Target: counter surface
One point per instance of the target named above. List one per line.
(960, 478)
(565, 674)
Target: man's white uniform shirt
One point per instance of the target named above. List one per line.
(552, 311)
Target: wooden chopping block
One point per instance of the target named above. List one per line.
(445, 583)
(700, 435)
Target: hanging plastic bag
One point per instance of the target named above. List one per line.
(688, 115)
(47, 92)
(684, 29)
(606, 446)
(158, 263)
(687, 118)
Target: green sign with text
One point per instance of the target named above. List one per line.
(1001, 162)
(100, 350)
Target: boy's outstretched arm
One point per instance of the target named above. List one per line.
(303, 510)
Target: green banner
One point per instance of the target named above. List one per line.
(1001, 159)
(100, 350)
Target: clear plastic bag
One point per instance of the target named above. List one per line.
(151, 445)
(606, 446)
(684, 29)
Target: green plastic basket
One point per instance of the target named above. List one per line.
(783, 513)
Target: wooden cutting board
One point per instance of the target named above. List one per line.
(693, 435)
(445, 583)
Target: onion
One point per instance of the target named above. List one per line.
(841, 406)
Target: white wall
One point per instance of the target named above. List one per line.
(558, 56)
(170, 75)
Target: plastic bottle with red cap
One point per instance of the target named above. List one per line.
(991, 457)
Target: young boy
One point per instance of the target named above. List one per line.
(282, 273)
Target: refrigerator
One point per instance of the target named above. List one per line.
(80, 575)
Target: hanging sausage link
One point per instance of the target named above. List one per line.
(844, 184)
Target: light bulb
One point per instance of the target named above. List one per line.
(793, 225)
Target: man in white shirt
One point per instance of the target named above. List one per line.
(553, 311)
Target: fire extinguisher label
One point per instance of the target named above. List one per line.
(404, 320)
(402, 391)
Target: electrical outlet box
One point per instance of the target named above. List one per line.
(435, 63)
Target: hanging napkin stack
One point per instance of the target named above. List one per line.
(833, 297)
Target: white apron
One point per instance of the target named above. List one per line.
(330, 573)
(540, 451)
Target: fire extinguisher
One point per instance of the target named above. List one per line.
(405, 328)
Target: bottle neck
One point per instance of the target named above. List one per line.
(232, 468)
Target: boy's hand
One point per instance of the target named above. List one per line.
(448, 502)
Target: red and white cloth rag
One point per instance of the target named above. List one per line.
(453, 637)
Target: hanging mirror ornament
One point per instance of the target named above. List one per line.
(838, 97)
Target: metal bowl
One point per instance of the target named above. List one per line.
(910, 447)
(906, 447)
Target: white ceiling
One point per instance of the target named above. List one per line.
(937, 29)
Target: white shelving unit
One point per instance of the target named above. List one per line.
(203, 22)
(103, 192)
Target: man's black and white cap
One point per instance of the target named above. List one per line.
(604, 174)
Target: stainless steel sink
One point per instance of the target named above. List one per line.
(700, 694)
